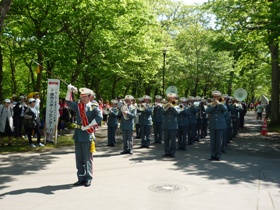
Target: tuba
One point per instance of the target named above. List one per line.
(240, 94)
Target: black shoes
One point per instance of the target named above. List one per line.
(110, 145)
(126, 152)
(144, 147)
(169, 155)
(83, 183)
(87, 183)
(214, 159)
(79, 183)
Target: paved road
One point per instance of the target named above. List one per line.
(247, 178)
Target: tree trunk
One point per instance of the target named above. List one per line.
(1, 74)
(39, 75)
(274, 51)
(4, 9)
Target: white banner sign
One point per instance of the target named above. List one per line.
(52, 106)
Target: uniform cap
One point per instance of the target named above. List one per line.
(216, 93)
(21, 97)
(86, 91)
(128, 97)
(158, 97)
(225, 95)
(171, 95)
(191, 98)
(183, 99)
(198, 98)
(146, 97)
(140, 99)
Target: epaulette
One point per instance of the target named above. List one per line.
(94, 104)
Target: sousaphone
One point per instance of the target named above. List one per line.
(240, 94)
(171, 90)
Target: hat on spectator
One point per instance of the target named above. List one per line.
(7, 101)
(31, 100)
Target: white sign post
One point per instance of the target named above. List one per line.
(52, 108)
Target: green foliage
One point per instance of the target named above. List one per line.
(114, 47)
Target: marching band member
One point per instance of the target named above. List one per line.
(204, 118)
(146, 122)
(228, 123)
(157, 119)
(217, 124)
(112, 123)
(127, 113)
(192, 121)
(88, 116)
(183, 123)
(198, 118)
(170, 126)
(137, 120)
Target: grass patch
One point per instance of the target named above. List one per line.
(22, 145)
(273, 128)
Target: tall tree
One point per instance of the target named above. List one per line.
(254, 21)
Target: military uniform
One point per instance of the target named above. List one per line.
(112, 124)
(217, 124)
(81, 136)
(127, 124)
(170, 127)
(192, 124)
(146, 124)
(157, 121)
(183, 123)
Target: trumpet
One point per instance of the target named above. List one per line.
(218, 101)
(141, 107)
(157, 104)
(171, 103)
(181, 107)
(106, 110)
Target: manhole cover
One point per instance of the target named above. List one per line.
(166, 188)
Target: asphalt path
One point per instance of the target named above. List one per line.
(247, 178)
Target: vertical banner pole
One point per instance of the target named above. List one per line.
(52, 108)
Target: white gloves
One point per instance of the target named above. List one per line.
(70, 89)
(89, 125)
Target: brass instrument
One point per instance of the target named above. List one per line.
(106, 110)
(141, 107)
(218, 101)
(171, 103)
(240, 94)
(181, 107)
(157, 104)
(124, 109)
